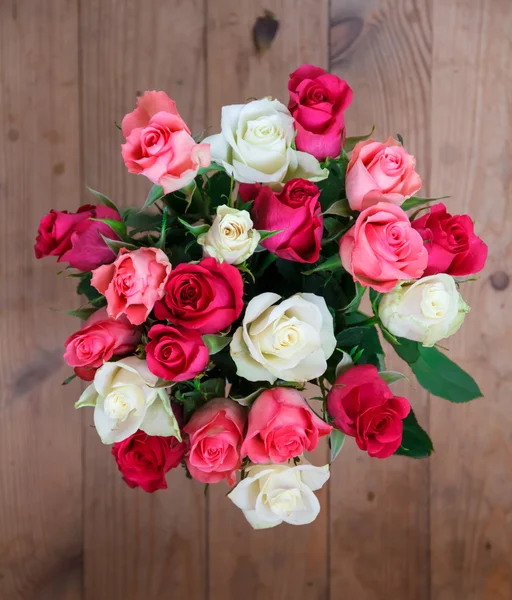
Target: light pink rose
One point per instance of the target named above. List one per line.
(159, 145)
(133, 282)
(380, 172)
(382, 248)
(215, 436)
(281, 426)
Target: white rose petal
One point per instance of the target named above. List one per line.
(425, 311)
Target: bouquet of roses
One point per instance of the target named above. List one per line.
(239, 280)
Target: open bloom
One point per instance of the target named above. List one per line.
(272, 494)
(290, 341)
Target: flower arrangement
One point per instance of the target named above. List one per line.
(240, 280)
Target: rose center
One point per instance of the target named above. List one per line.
(284, 502)
(232, 229)
(122, 401)
(435, 302)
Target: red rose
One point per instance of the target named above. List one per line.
(99, 339)
(215, 436)
(206, 296)
(317, 103)
(145, 459)
(451, 242)
(296, 210)
(364, 407)
(175, 353)
(75, 238)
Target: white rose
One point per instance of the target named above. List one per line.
(271, 494)
(425, 311)
(290, 341)
(125, 401)
(255, 145)
(231, 238)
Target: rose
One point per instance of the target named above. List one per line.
(296, 211)
(255, 144)
(207, 296)
(98, 340)
(176, 353)
(231, 238)
(144, 459)
(317, 103)
(425, 311)
(215, 436)
(363, 407)
(159, 145)
(290, 341)
(125, 399)
(133, 282)
(76, 238)
(451, 242)
(382, 248)
(281, 426)
(380, 172)
(272, 494)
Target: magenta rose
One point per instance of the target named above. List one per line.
(363, 406)
(295, 210)
(451, 242)
(382, 248)
(133, 282)
(144, 460)
(318, 101)
(75, 238)
(380, 172)
(215, 437)
(159, 144)
(175, 353)
(281, 426)
(206, 296)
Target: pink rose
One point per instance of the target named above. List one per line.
(176, 353)
(281, 426)
(159, 145)
(382, 248)
(133, 282)
(75, 238)
(317, 103)
(98, 340)
(215, 436)
(380, 172)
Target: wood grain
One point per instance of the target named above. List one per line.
(379, 508)
(40, 433)
(471, 483)
(286, 562)
(137, 545)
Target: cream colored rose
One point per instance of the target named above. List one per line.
(255, 145)
(290, 341)
(272, 494)
(231, 238)
(125, 400)
(425, 311)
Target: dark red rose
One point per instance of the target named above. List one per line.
(175, 353)
(206, 297)
(318, 101)
(145, 459)
(295, 210)
(363, 406)
(451, 242)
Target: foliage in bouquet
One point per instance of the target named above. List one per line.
(239, 280)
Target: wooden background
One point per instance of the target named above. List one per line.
(436, 71)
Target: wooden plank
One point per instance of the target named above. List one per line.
(379, 508)
(137, 545)
(471, 525)
(285, 562)
(40, 433)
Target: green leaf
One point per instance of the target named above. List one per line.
(69, 379)
(400, 139)
(103, 199)
(155, 193)
(407, 350)
(356, 301)
(248, 400)
(140, 221)
(116, 245)
(82, 313)
(85, 288)
(161, 240)
(350, 142)
(267, 234)
(413, 202)
(391, 376)
(336, 441)
(195, 230)
(340, 208)
(118, 227)
(333, 263)
(366, 339)
(211, 168)
(215, 343)
(416, 442)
